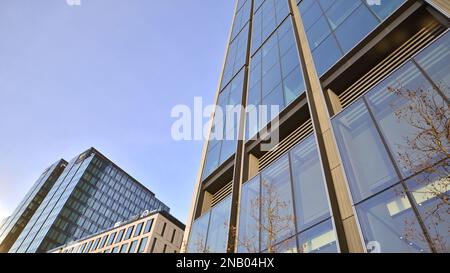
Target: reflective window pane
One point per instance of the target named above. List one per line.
(148, 226)
(348, 21)
(133, 247)
(355, 28)
(223, 140)
(293, 85)
(311, 203)
(129, 232)
(266, 19)
(326, 54)
(241, 18)
(143, 245)
(387, 222)
(123, 248)
(236, 56)
(275, 77)
(287, 246)
(340, 11)
(386, 8)
(399, 104)
(277, 214)
(212, 160)
(435, 60)
(138, 229)
(248, 235)
(357, 139)
(430, 192)
(197, 239)
(217, 240)
(318, 32)
(311, 15)
(319, 239)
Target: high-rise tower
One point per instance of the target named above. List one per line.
(90, 195)
(361, 163)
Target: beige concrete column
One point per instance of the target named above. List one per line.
(345, 221)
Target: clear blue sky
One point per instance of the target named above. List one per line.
(106, 74)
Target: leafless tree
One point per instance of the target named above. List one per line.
(427, 151)
(273, 219)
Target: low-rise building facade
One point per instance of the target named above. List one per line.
(150, 232)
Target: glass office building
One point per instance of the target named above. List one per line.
(90, 195)
(11, 227)
(362, 160)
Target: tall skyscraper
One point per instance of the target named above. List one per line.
(13, 225)
(90, 195)
(355, 156)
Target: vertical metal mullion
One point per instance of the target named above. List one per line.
(435, 86)
(293, 200)
(348, 236)
(399, 174)
(239, 155)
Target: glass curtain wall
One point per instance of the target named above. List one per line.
(333, 28)
(209, 233)
(394, 146)
(285, 207)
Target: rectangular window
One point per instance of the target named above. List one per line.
(133, 246)
(143, 245)
(429, 191)
(241, 18)
(123, 248)
(129, 233)
(197, 239)
(236, 56)
(163, 229)
(148, 226)
(276, 77)
(138, 230)
(120, 236)
(217, 240)
(398, 104)
(277, 211)
(223, 140)
(319, 239)
(115, 249)
(153, 245)
(435, 60)
(94, 247)
(173, 236)
(165, 248)
(249, 217)
(311, 203)
(266, 19)
(388, 219)
(83, 246)
(111, 238)
(357, 137)
(333, 28)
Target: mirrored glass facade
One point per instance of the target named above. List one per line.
(11, 228)
(360, 91)
(287, 198)
(335, 27)
(275, 77)
(210, 232)
(90, 195)
(397, 123)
